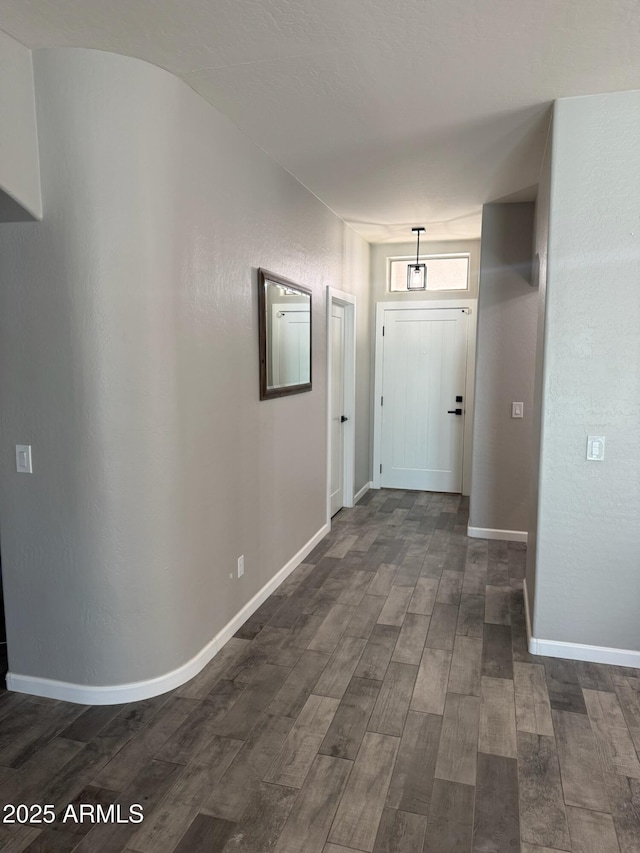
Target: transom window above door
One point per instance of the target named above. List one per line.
(444, 272)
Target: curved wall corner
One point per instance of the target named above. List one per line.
(20, 197)
(128, 360)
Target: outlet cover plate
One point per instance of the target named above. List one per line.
(595, 448)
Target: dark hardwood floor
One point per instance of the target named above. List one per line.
(383, 700)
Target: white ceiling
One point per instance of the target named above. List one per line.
(393, 112)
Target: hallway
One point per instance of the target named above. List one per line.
(383, 700)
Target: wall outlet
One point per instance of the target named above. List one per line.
(240, 566)
(595, 448)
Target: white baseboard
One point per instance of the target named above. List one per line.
(491, 533)
(363, 491)
(577, 651)
(134, 691)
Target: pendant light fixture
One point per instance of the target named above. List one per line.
(417, 273)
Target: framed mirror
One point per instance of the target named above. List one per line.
(285, 336)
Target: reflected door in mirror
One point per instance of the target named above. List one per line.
(290, 334)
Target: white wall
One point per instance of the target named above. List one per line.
(587, 575)
(505, 362)
(19, 170)
(129, 360)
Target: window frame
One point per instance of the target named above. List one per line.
(424, 259)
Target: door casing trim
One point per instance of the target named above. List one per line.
(430, 305)
(348, 302)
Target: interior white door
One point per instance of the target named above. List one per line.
(337, 408)
(424, 369)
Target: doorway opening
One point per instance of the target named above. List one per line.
(341, 375)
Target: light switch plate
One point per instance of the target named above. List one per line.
(595, 448)
(23, 459)
(517, 410)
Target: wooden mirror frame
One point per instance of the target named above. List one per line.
(267, 393)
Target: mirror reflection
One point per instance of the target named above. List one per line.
(285, 318)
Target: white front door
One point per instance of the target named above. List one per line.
(424, 369)
(337, 408)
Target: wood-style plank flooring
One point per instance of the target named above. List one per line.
(383, 700)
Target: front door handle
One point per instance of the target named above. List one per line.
(454, 412)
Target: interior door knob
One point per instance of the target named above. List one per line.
(343, 418)
(454, 412)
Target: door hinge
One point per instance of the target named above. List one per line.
(382, 401)
(381, 468)
(383, 331)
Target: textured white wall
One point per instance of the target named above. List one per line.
(129, 360)
(588, 539)
(505, 360)
(19, 170)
